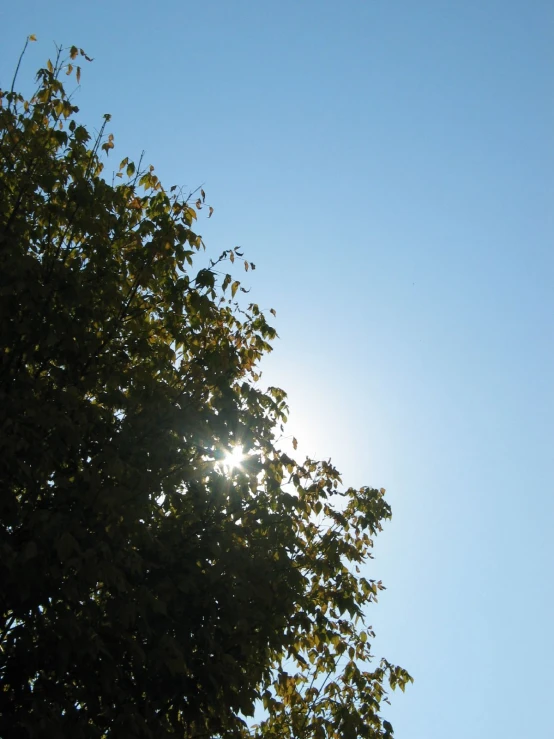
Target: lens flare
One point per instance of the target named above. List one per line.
(233, 459)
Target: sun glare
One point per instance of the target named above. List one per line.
(233, 458)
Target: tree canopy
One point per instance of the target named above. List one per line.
(148, 588)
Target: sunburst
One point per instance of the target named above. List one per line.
(233, 459)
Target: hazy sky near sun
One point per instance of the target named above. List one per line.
(388, 166)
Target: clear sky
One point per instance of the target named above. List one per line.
(388, 166)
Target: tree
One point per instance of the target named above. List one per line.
(147, 588)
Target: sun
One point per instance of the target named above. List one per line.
(233, 458)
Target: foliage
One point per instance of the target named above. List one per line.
(146, 590)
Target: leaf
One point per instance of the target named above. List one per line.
(66, 546)
(107, 145)
(30, 551)
(211, 210)
(294, 443)
(234, 287)
(78, 75)
(203, 194)
(73, 52)
(32, 37)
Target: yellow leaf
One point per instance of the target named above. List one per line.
(32, 37)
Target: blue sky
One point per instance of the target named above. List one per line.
(388, 166)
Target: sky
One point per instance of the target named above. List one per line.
(388, 167)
